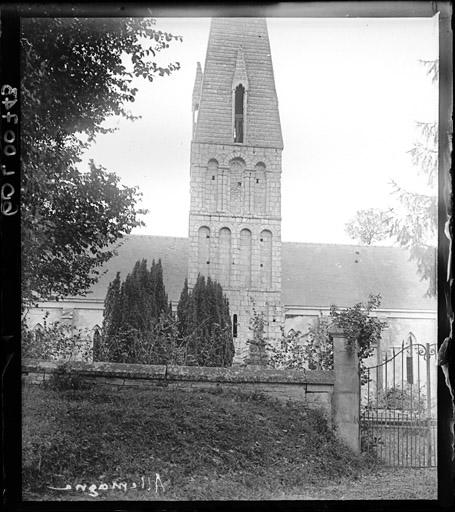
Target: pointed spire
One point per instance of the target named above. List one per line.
(240, 75)
(197, 87)
(238, 49)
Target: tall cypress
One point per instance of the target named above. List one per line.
(183, 310)
(138, 301)
(203, 315)
(112, 307)
(160, 293)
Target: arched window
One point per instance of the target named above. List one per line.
(265, 244)
(203, 250)
(224, 256)
(234, 326)
(245, 258)
(239, 107)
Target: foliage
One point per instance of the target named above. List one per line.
(76, 73)
(139, 327)
(406, 399)
(361, 329)
(290, 354)
(318, 346)
(55, 342)
(205, 323)
(160, 344)
(137, 302)
(134, 312)
(413, 224)
(368, 226)
(314, 350)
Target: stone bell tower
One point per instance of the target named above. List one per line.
(235, 212)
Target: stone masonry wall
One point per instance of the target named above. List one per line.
(312, 389)
(216, 227)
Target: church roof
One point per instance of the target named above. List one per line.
(316, 275)
(239, 47)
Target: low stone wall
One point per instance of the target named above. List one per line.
(312, 388)
(337, 393)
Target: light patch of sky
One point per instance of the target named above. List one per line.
(350, 92)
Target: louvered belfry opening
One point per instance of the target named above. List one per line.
(239, 113)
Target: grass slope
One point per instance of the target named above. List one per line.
(204, 445)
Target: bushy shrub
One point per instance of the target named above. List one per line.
(314, 349)
(405, 399)
(56, 342)
(289, 354)
(161, 344)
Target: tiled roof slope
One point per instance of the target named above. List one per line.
(214, 125)
(324, 274)
(312, 274)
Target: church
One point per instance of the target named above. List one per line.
(235, 218)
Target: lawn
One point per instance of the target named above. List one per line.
(177, 445)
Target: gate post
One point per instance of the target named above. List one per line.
(346, 392)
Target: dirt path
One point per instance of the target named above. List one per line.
(387, 484)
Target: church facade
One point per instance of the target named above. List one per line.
(235, 218)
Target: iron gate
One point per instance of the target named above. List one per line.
(398, 408)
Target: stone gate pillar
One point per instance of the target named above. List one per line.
(346, 392)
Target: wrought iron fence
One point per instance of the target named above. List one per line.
(398, 408)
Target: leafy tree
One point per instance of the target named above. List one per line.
(368, 226)
(204, 319)
(76, 73)
(413, 225)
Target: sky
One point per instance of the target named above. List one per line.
(350, 92)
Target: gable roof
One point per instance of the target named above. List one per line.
(316, 275)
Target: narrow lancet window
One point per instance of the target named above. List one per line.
(234, 326)
(239, 113)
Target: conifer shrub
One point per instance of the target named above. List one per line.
(205, 324)
(139, 326)
(137, 321)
